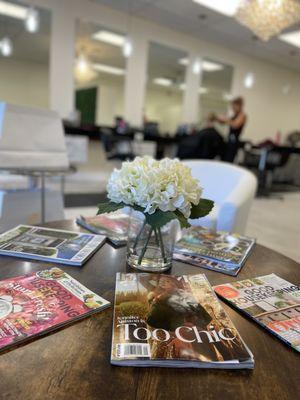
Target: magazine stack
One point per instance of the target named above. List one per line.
(113, 225)
(173, 321)
(216, 250)
(271, 301)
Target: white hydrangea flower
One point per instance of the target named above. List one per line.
(166, 185)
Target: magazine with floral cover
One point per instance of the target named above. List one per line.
(58, 246)
(113, 225)
(39, 302)
(214, 265)
(271, 301)
(173, 321)
(218, 245)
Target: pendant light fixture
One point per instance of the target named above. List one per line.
(6, 47)
(32, 21)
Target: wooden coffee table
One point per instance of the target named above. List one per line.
(74, 362)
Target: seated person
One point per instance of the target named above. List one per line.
(206, 143)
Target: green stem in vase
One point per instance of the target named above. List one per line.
(139, 235)
(145, 247)
(162, 248)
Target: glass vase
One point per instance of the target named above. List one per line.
(150, 249)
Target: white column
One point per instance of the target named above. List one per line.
(191, 99)
(136, 78)
(62, 50)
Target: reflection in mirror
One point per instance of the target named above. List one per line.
(24, 56)
(165, 86)
(99, 71)
(215, 88)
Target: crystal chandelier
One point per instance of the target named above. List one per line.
(267, 18)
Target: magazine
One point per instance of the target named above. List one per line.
(47, 244)
(113, 225)
(271, 301)
(39, 302)
(218, 245)
(173, 321)
(214, 265)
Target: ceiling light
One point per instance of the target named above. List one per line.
(109, 69)
(292, 38)
(32, 21)
(227, 97)
(6, 47)
(183, 61)
(227, 7)
(127, 48)
(208, 66)
(13, 10)
(109, 37)
(197, 66)
(267, 18)
(203, 90)
(249, 80)
(162, 81)
(82, 64)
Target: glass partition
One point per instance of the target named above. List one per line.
(99, 71)
(165, 86)
(24, 55)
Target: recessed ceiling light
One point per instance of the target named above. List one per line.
(183, 61)
(292, 38)
(228, 7)
(109, 37)
(109, 69)
(203, 90)
(13, 10)
(162, 81)
(208, 66)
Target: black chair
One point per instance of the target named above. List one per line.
(115, 146)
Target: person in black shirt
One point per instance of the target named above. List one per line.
(236, 125)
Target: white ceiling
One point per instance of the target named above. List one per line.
(191, 18)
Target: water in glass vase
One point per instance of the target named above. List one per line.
(150, 249)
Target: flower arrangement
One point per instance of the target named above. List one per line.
(162, 190)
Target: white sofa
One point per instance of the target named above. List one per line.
(231, 187)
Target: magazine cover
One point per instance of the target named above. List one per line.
(40, 302)
(47, 244)
(173, 321)
(214, 265)
(271, 301)
(113, 225)
(219, 245)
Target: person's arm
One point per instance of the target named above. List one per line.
(234, 123)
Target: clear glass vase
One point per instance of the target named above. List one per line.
(150, 249)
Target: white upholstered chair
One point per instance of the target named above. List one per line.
(231, 187)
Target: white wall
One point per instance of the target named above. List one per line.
(24, 83)
(268, 109)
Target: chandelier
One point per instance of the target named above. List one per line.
(267, 18)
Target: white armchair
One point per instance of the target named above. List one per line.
(231, 187)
